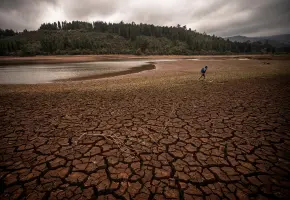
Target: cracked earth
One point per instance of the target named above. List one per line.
(187, 140)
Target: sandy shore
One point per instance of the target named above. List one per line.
(159, 134)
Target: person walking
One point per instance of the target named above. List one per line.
(203, 71)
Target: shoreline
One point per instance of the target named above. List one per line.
(132, 70)
(6, 60)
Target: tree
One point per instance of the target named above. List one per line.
(54, 26)
(59, 25)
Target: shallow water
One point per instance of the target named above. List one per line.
(47, 73)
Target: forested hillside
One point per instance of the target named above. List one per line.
(77, 37)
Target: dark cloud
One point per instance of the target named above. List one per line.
(18, 4)
(19, 14)
(219, 17)
(269, 17)
(84, 9)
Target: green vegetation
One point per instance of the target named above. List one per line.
(77, 37)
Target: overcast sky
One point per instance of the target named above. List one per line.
(219, 17)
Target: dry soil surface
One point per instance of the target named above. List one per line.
(159, 134)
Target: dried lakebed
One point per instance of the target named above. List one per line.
(193, 140)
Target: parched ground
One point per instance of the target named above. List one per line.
(159, 134)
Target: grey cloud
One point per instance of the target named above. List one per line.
(150, 18)
(18, 4)
(19, 14)
(209, 9)
(82, 10)
(262, 18)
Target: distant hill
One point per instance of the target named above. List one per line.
(239, 38)
(274, 40)
(78, 37)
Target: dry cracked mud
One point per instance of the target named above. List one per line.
(192, 140)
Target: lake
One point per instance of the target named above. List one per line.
(48, 73)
